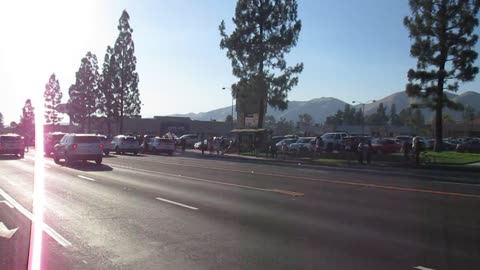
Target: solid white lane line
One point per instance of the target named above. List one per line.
(86, 178)
(176, 203)
(285, 192)
(422, 268)
(7, 203)
(55, 235)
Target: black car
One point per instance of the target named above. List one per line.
(472, 146)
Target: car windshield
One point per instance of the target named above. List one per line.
(86, 139)
(57, 137)
(241, 134)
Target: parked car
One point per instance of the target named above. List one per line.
(198, 145)
(303, 144)
(122, 144)
(427, 142)
(404, 139)
(276, 139)
(107, 144)
(351, 142)
(333, 141)
(472, 146)
(387, 145)
(12, 144)
(286, 142)
(51, 140)
(161, 145)
(74, 147)
(190, 139)
(144, 143)
(449, 144)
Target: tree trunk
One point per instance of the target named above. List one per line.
(122, 95)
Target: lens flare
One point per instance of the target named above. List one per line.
(35, 255)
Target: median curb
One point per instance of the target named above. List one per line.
(349, 165)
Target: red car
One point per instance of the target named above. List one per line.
(385, 146)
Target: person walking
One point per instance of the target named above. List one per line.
(416, 149)
(184, 144)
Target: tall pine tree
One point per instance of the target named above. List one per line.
(27, 120)
(84, 93)
(126, 82)
(109, 104)
(443, 43)
(52, 97)
(265, 31)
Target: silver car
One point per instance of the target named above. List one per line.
(122, 144)
(74, 147)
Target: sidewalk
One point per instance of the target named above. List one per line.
(353, 164)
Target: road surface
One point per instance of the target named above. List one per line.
(188, 212)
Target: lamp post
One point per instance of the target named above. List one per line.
(227, 88)
(363, 111)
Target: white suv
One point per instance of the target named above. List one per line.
(122, 144)
(161, 145)
(333, 141)
(79, 147)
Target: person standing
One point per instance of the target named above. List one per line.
(184, 144)
(416, 149)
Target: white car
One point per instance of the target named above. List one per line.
(286, 143)
(122, 144)
(12, 144)
(190, 139)
(332, 141)
(161, 145)
(79, 147)
(304, 144)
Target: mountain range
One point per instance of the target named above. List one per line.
(321, 108)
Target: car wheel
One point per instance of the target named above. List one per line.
(106, 152)
(22, 154)
(98, 161)
(117, 150)
(135, 153)
(170, 153)
(68, 160)
(154, 150)
(56, 159)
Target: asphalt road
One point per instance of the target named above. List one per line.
(188, 212)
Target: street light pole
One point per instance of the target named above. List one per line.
(363, 112)
(225, 88)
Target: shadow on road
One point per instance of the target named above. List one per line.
(9, 157)
(88, 166)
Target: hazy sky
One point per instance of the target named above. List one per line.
(351, 50)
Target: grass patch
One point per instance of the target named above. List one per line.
(453, 158)
(331, 161)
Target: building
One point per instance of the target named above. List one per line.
(160, 125)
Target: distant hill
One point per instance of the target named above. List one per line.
(402, 101)
(320, 108)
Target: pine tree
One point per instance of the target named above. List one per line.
(27, 120)
(84, 94)
(126, 83)
(109, 104)
(444, 40)
(52, 97)
(265, 30)
(394, 117)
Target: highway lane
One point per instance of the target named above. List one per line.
(132, 214)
